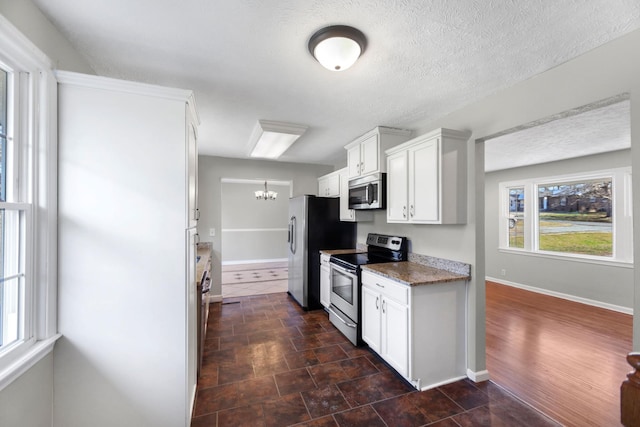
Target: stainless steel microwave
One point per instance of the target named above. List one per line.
(368, 192)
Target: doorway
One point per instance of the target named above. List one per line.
(254, 236)
(531, 284)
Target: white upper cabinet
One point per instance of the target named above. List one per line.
(427, 179)
(365, 154)
(329, 185)
(336, 184)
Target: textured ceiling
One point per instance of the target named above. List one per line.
(595, 131)
(248, 60)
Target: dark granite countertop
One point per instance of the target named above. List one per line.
(414, 274)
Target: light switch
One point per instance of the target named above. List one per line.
(212, 232)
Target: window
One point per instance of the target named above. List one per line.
(13, 213)
(516, 217)
(582, 216)
(27, 205)
(576, 217)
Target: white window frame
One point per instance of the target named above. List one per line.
(622, 216)
(33, 133)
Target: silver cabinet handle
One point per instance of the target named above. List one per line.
(377, 301)
(404, 212)
(383, 304)
(379, 285)
(412, 211)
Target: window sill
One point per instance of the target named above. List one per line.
(561, 257)
(33, 355)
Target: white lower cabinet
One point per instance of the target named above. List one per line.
(325, 280)
(418, 330)
(385, 320)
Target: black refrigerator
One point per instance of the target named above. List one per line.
(314, 225)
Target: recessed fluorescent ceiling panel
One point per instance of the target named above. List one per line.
(270, 139)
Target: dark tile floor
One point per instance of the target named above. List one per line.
(269, 363)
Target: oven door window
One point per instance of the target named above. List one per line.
(343, 285)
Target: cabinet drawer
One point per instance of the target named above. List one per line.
(387, 287)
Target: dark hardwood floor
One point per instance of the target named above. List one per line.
(269, 363)
(564, 358)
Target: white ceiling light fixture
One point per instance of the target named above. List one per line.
(266, 194)
(337, 47)
(270, 139)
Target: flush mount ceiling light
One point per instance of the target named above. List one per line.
(337, 47)
(270, 139)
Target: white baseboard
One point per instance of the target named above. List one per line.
(215, 298)
(594, 303)
(478, 377)
(254, 261)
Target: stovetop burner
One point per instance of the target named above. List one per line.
(379, 249)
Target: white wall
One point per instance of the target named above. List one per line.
(253, 230)
(604, 285)
(210, 172)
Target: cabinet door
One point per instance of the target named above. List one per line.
(325, 285)
(353, 161)
(369, 155)
(371, 318)
(395, 335)
(424, 182)
(397, 187)
(346, 214)
(322, 187)
(333, 186)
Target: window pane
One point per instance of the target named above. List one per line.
(12, 276)
(3, 137)
(576, 217)
(516, 217)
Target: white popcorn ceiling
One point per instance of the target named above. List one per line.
(599, 130)
(248, 60)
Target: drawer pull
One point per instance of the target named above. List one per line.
(379, 285)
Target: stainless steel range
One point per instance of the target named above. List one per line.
(344, 311)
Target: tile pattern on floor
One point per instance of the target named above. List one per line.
(269, 363)
(261, 278)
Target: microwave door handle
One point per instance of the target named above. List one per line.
(369, 194)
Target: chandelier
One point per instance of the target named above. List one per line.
(266, 194)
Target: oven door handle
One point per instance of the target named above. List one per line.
(349, 324)
(344, 270)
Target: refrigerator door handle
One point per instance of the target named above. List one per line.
(292, 242)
